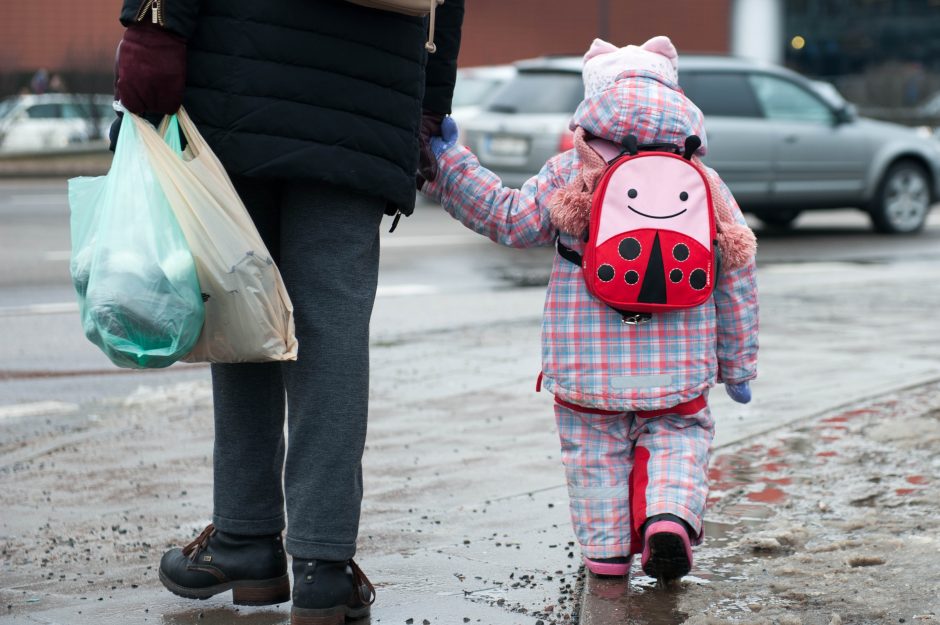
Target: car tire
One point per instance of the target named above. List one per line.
(903, 199)
(779, 219)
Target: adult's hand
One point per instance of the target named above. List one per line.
(151, 70)
(149, 74)
(427, 163)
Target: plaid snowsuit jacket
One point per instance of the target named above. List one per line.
(589, 357)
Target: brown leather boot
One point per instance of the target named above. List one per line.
(254, 568)
(329, 593)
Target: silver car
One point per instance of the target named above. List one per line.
(53, 120)
(782, 143)
(474, 87)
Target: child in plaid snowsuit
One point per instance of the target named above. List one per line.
(630, 400)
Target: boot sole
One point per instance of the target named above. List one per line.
(607, 569)
(668, 559)
(327, 616)
(244, 592)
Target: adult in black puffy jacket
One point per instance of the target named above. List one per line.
(318, 109)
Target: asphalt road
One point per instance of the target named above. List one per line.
(45, 357)
(461, 450)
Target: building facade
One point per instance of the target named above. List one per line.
(74, 42)
(79, 45)
(877, 52)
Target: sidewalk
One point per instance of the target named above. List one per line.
(465, 514)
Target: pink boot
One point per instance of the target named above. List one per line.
(609, 567)
(667, 552)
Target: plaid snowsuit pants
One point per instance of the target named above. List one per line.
(623, 467)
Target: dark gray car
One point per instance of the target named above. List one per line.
(783, 144)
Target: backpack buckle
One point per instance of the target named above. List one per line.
(636, 319)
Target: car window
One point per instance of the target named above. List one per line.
(75, 111)
(539, 92)
(722, 94)
(44, 111)
(782, 99)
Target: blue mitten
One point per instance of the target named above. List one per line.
(448, 136)
(740, 393)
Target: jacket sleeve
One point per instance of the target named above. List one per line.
(179, 16)
(441, 73)
(737, 310)
(477, 198)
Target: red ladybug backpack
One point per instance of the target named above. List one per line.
(651, 244)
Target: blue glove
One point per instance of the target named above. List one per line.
(740, 393)
(448, 136)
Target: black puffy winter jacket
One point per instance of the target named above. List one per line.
(312, 89)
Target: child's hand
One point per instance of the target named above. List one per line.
(740, 393)
(448, 136)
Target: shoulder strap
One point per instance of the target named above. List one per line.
(627, 317)
(566, 252)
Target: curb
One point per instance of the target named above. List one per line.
(93, 159)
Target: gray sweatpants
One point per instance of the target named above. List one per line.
(325, 241)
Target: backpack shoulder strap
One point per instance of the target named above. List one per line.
(566, 252)
(607, 149)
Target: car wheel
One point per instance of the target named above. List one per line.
(903, 199)
(780, 219)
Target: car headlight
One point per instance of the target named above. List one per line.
(924, 132)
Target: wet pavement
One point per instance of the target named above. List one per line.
(824, 485)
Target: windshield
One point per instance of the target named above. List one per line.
(6, 105)
(539, 92)
(471, 91)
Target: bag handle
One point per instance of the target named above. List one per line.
(185, 127)
(430, 46)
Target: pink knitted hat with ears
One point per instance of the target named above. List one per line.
(604, 62)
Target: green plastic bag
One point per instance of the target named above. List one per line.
(138, 293)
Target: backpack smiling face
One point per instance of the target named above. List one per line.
(651, 237)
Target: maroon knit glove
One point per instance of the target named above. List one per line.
(427, 163)
(151, 70)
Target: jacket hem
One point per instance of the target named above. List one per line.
(608, 402)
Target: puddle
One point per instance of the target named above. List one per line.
(229, 615)
(643, 601)
(850, 497)
(633, 603)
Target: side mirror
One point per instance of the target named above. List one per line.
(846, 114)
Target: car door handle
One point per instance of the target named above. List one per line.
(791, 138)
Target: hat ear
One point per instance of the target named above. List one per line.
(598, 47)
(663, 45)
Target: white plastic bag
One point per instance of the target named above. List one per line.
(249, 316)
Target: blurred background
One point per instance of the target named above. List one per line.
(830, 103)
(878, 53)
